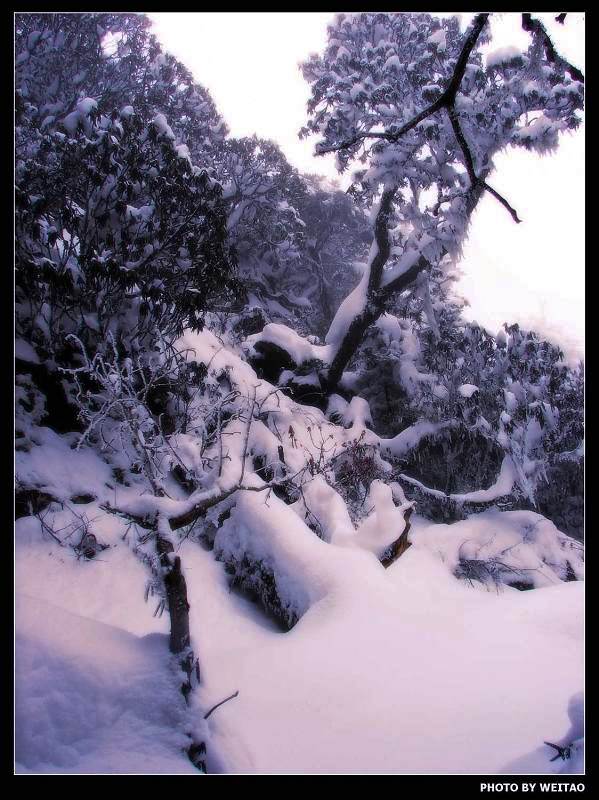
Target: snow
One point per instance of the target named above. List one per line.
(357, 414)
(502, 55)
(300, 349)
(392, 63)
(430, 659)
(162, 126)
(537, 129)
(86, 106)
(54, 467)
(352, 305)
(80, 115)
(574, 737)
(467, 389)
(405, 263)
(403, 644)
(501, 487)
(410, 437)
(385, 522)
(25, 352)
(90, 698)
(439, 38)
(529, 547)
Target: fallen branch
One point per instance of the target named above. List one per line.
(562, 752)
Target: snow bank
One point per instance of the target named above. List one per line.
(399, 671)
(262, 541)
(53, 466)
(90, 698)
(495, 547)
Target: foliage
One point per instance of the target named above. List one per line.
(117, 231)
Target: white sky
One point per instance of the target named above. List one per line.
(532, 273)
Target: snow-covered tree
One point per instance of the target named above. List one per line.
(500, 411)
(116, 61)
(117, 230)
(337, 236)
(410, 96)
(264, 194)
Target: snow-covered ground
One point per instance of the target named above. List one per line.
(92, 698)
(405, 670)
(399, 670)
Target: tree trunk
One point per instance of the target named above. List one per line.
(180, 639)
(178, 609)
(379, 298)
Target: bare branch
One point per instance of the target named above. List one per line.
(389, 137)
(474, 178)
(536, 28)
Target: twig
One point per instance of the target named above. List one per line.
(220, 704)
(562, 752)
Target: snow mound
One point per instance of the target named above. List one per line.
(91, 698)
(299, 349)
(510, 547)
(404, 670)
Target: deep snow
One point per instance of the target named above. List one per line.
(405, 670)
(399, 670)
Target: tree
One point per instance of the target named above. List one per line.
(264, 194)
(408, 95)
(117, 231)
(337, 234)
(114, 59)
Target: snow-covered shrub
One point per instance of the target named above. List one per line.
(514, 548)
(116, 233)
(560, 497)
(120, 231)
(472, 400)
(263, 193)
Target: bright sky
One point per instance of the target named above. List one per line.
(532, 273)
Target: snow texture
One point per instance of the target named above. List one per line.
(91, 698)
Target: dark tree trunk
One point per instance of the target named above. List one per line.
(178, 609)
(180, 639)
(379, 298)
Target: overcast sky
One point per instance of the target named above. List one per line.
(532, 273)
